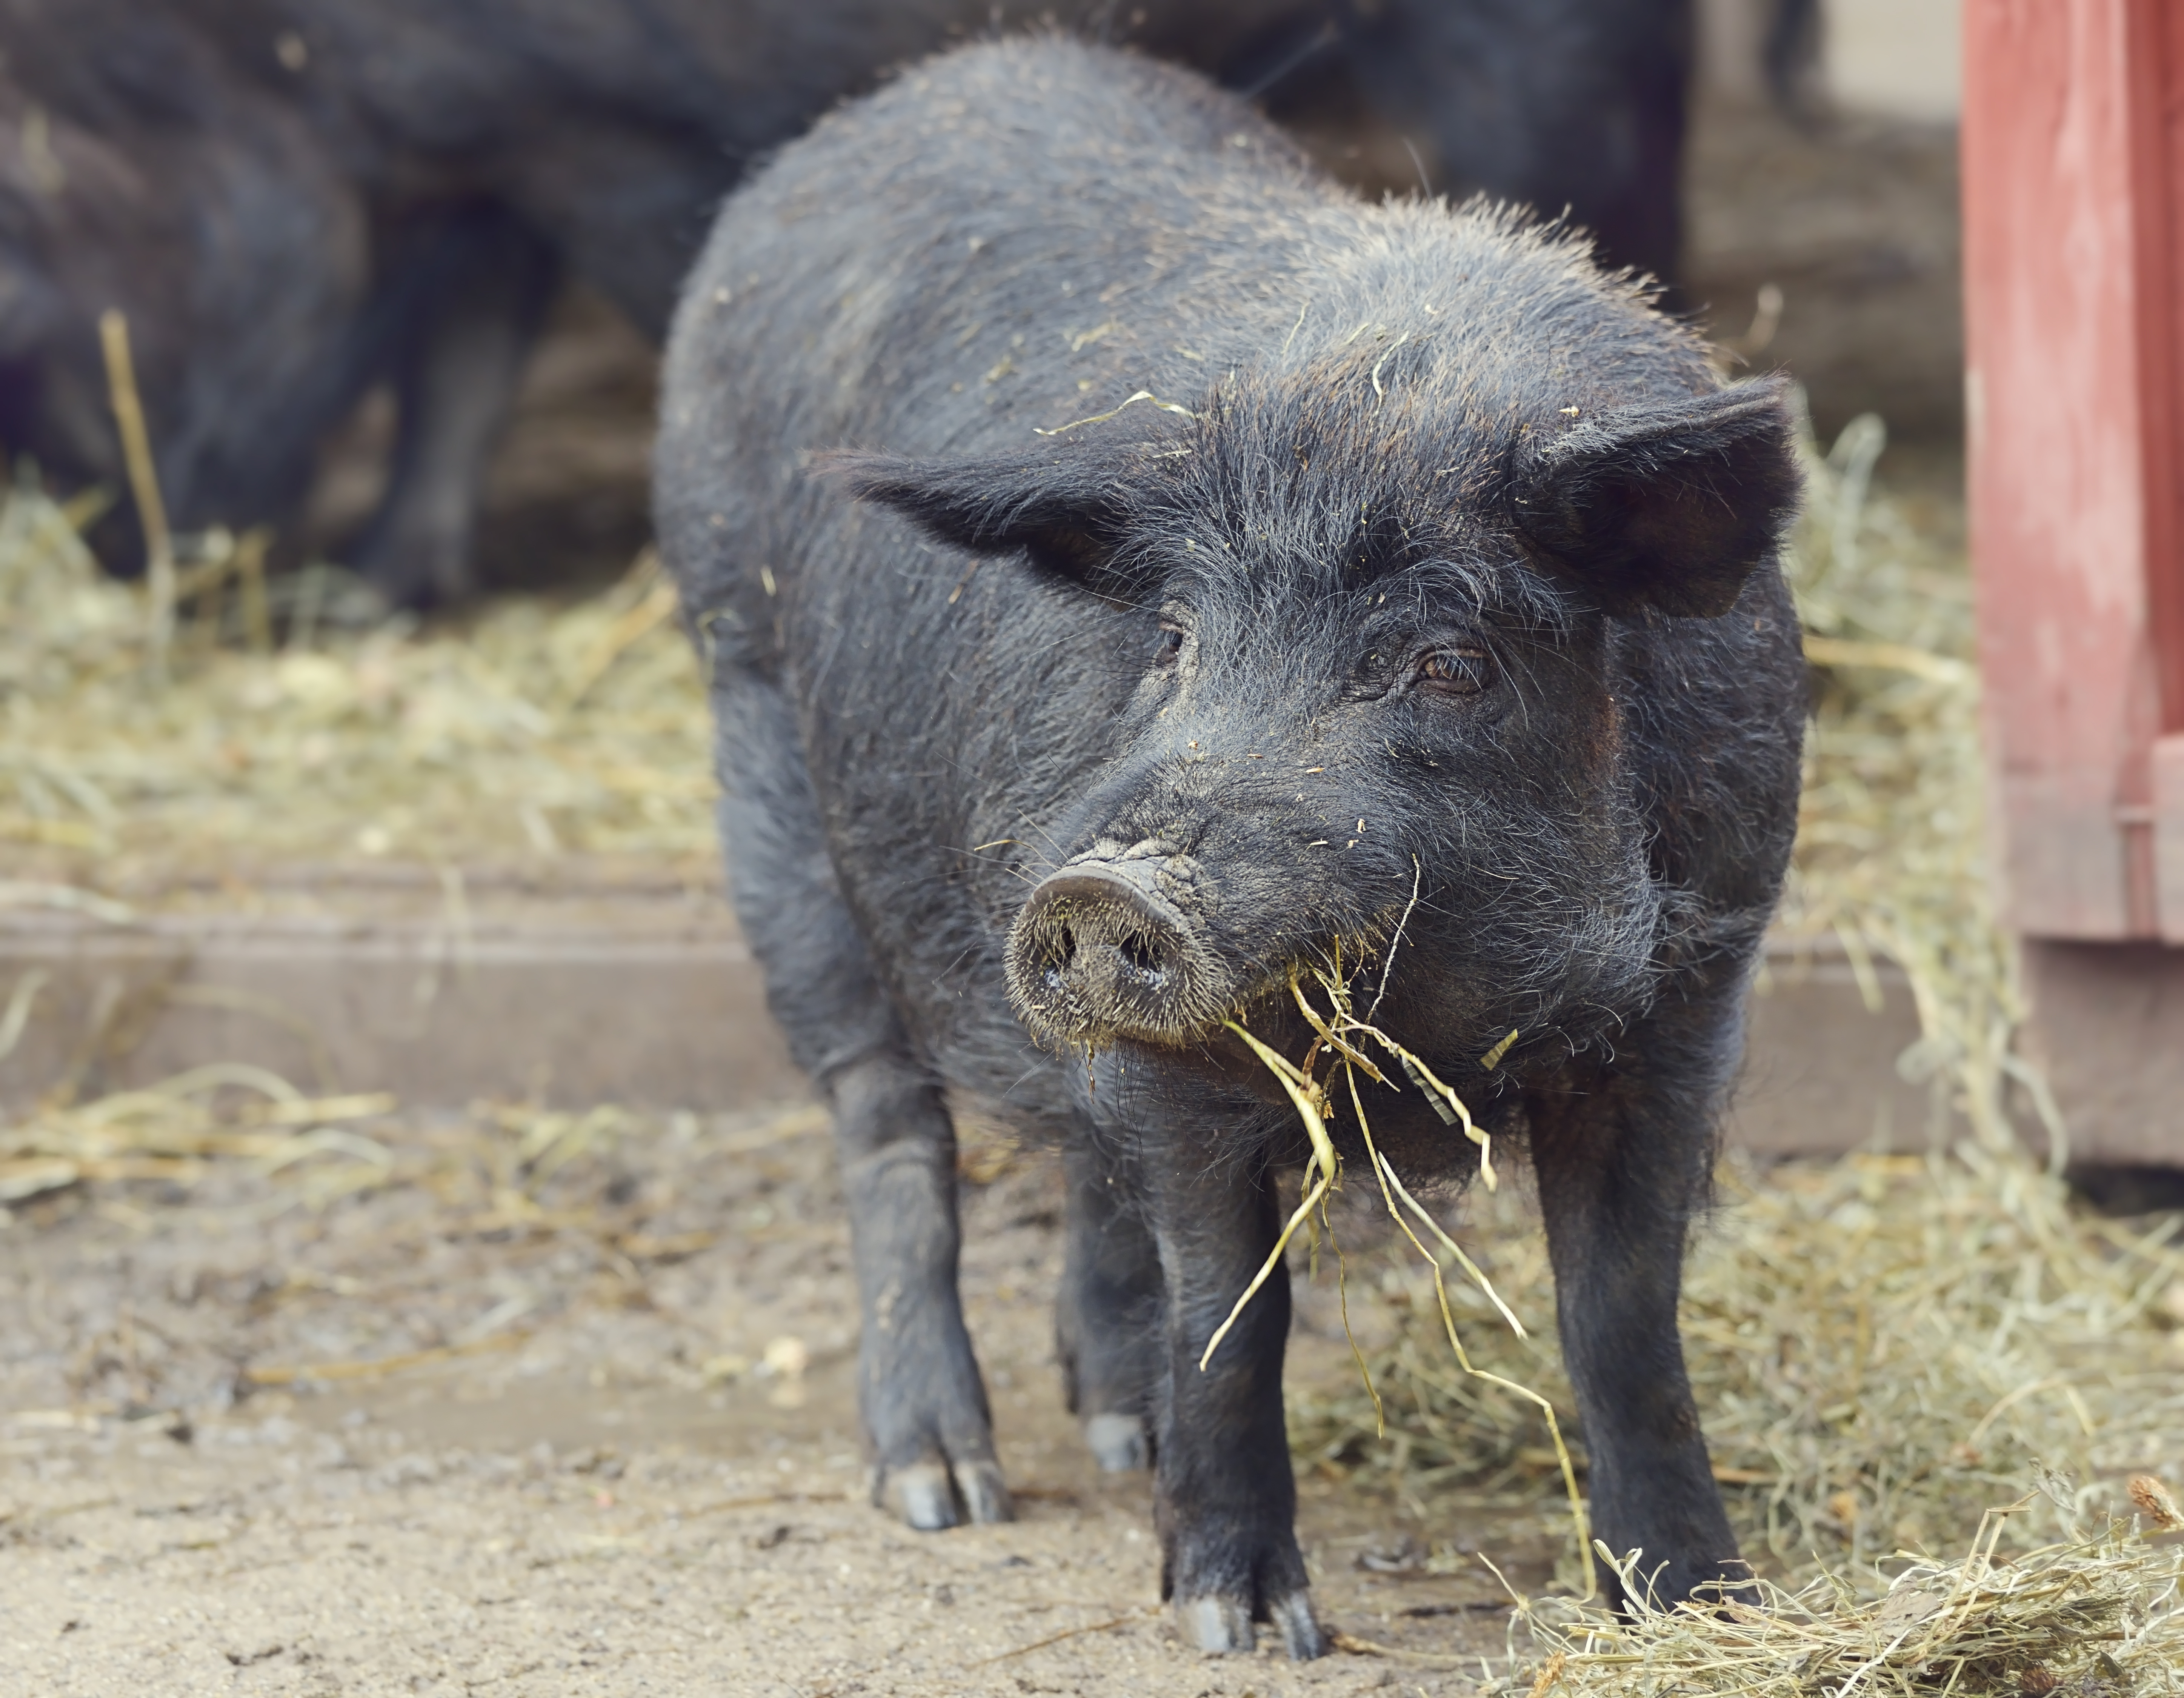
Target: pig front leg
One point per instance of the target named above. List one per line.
(918, 1387)
(1108, 1317)
(1224, 1498)
(1623, 1159)
(919, 1392)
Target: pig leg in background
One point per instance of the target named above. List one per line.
(1107, 1315)
(1224, 1499)
(919, 1392)
(1623, 1162)
(476, 296)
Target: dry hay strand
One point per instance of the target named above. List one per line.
(2090, 1617)
(1338, 1043)
(498, 1164)
(172, 1131)
(531, 729)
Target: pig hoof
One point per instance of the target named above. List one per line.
(1300, 1635)
(357, 605)
(920, 1495)
(1216, 1624)
(1118, 1441)
(985, 1493)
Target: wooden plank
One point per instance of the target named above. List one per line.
(1820, 1074)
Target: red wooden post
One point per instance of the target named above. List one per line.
(2074, 255)
(2069, 264)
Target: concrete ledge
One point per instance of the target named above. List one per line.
(1820, 1072)
(635, 988)
(441, 991)
(2108, 1030)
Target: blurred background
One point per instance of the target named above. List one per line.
(1843, 197)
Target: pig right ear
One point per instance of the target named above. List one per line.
(1067, 518)
(1664, 506)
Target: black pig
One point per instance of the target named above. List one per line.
(1407, 601)
(295, 199)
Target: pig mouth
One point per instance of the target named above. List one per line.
(1102, 952)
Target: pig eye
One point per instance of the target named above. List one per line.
(1462, 670)
(1169, 648)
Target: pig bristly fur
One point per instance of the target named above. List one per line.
(1135, 576)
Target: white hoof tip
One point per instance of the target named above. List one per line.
(1219, 1625)
(1118, 1442)
(985, 1493)
(1300, 1635)
(920, 1496)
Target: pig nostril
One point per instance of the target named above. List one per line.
(1145, 961)
(1061, 956)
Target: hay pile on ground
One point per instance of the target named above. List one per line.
(2094, 1617)
(533, 728)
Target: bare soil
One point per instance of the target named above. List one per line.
(475, 1429)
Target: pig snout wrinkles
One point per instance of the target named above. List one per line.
(1100, 951)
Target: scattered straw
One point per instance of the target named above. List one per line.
(531, 730)
(377, 1367)
(2090, 1616)
(1107, 1626)
(173, 1130)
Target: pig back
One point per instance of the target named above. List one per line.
(991, 246)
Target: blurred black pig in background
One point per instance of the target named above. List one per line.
(294, 200)
(1260, 612)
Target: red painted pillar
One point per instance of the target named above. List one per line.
(2071, 180)
(2074, 255)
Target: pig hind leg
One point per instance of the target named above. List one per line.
(1622, 1165)
(470, 305)
(920, 1395)
(1108, 1318)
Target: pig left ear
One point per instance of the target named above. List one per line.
(1665, 506)
(1066, 515)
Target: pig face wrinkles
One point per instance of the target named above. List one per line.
(1376, 693)
(1298, 781)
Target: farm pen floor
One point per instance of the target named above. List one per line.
(622, 1456)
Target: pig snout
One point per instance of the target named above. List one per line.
(1100, 952)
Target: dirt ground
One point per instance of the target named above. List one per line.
(616, 1452)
